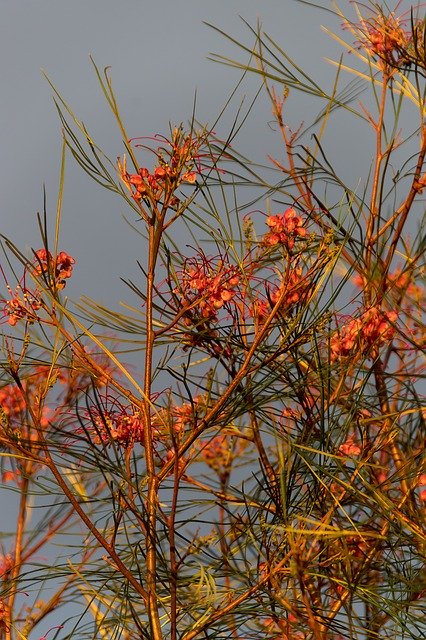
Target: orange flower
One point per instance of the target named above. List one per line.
(177, 162)
(122, 428)
(23, 304)
(350, 447)
(284, 228)
(386, 37)
(4, 614)
(12, 476)
(160, 173)
(373, 327)
(220, 452)
(6, 564)
(293, 286)
(189, 176)
(61, 266)
(213, 284)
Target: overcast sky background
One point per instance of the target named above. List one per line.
(158, 57)
(158, 54)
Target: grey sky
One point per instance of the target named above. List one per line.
(157, 51)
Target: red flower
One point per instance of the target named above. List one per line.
(118, 426)
(61, 266)
(350, 447)
(23, 304)
(6, 563)
(373, 327)
(160, 173)
(64, 266)
(177, 162)
(386, 37)
(135, 180)
(210, 283)
(189, 176)
(12, 402)
(294, 286)
(284, 228)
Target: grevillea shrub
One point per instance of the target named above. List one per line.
(258, 471)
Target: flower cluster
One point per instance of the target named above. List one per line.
(22, 304)
(110, 421)
(4, 611)
(386, 37)
(373, 327)
(123, 426)
(403, 284)
(14, 476)
(284, 229)
(220, 452)
(6, 564)
(176, 165)
(400, 283)
(154, 184)
(208, 284)
(283, 628)
(350, 447)
(290, 289)
(25, 303)
(187, 414)
(15, 400)
(61, 267)
(12, 402)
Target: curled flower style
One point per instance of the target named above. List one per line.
(284, 229)
(207, 284)
(373, 327)
(51, 629)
